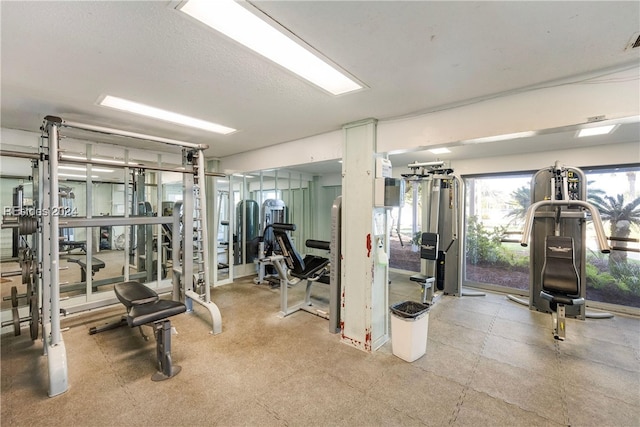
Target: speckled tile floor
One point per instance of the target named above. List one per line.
(489, 362)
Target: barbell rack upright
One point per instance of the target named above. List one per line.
(48, 245)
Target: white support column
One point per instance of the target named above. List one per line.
(51, 331)
(364, 290)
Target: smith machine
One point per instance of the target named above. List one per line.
(440, 241)
(41, 263)
(556, 222)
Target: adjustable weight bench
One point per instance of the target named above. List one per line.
(144, 307)
(560, 281)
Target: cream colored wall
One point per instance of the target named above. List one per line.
(613, 94)
(591, 156)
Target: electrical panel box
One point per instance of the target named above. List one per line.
(389, 192)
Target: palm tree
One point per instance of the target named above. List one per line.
(621, 218)
(520, 201)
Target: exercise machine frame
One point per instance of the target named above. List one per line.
(47, 246)
(559, 208)
(442, 229)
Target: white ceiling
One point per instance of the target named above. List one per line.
(58, 58)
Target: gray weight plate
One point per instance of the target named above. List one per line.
(16, 321)
(34, 323)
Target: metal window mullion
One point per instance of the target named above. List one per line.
(89, 215)
(127, 229)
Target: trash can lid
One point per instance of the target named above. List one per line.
(409, 309)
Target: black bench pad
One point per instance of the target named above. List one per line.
(421, 278)
(148, 313)
(313, 264)
(134, 293)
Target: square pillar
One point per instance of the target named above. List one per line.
(364, 277)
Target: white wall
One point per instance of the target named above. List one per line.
(327, 146)
(580, 157)
(562, 103)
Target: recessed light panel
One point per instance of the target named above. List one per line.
(238, 23)
(160, 114)
(600, 130)
(442, 150)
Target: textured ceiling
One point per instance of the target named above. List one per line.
(58, 58)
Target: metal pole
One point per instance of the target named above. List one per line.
(595, 216)
(414, 213)
(203, 224)
(118, 132)
(9, 153)
(52, 131)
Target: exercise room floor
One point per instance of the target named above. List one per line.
(489, 362)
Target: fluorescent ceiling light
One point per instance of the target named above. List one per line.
(71, 175)
(236, 22)
(115, 162)
(76, 168)
(496, 138)
(167, 116)
(442, 150)
(600, 130)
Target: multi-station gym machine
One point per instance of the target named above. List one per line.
(41, 263)
(440, 238)
(559, 208)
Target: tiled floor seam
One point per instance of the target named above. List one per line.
(598, 362)
(271, 411)
(563, 391)
(517, 406)
(476, 362)
(628, 343)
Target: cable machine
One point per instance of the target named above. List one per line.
(559, 209)
(441, 243)
(190, 271)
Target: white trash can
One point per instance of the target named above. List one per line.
(409, 327)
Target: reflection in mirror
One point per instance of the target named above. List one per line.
(220, 234)
(16, 196)
(246, 220)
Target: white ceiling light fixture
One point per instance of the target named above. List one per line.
(76, 168)
(497, 138)
(442, 150)
(600, 130)
(71, 175)
(96, 159)
(160, 114)
(238, 23)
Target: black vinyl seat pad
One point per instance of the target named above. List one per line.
(134, 293)
(144, 305)
(149, 313)
(300, 268)
(559, 274)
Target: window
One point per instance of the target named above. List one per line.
(495, 208)
(404, 252)
(615, 278)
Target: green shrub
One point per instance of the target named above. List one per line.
(625, 277)
(598, 280)
(483, 245)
